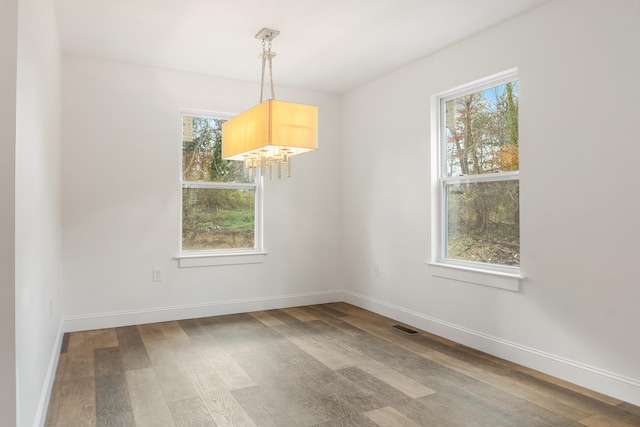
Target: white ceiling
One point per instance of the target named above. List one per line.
(326, 45)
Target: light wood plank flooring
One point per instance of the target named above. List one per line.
(323, 365)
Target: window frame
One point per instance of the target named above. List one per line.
(500, 276)
(213, 257)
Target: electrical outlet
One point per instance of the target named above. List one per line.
(157, 274)
(376, 270)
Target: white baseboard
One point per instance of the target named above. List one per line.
(191, 311)
(47, 387)
(605, 382)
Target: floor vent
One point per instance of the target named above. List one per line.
(403, 329)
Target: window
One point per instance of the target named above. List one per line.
(220, 206)
(478, 187)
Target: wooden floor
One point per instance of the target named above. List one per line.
(323, 365)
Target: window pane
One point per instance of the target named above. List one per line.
(217, 218)
(482, 131)
(483, 222)
(202, 151)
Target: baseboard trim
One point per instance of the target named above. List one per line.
(602, 381)
(190, 311)
(47, 386)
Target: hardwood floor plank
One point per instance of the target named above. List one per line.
(230, 322)
(247, 340)
(553, 396)
(337, 357)
(389, 417)
(207, 345)
(284, 317)
(500, 378)
(172, 378)
(192, 327)
(266, 318)
(463, 409)
(616, 414)
(300, 313)
(350, 392)
(395, 379)
(601, 421)
(222, 406)
(104, 338)
(80, 341)
(147, 400)
(307, 401)
(108, 362)
(541, 376)
(79, 363)
(346, 308)
(385, 331)
(185, 348)
(326, 309)
(77, 403)
(316, 346)
(335, 407)
(111, 391)
(191, 413)
(374, 367)
(112, 397)
(229, 371)
(262, 408)
(374, 387)
(132, 349)
(631, 409)
(288, 384)
(122, 419)
(357, 420)
(151, 332)
(172, 331)
(65, 342)
(80, 355)
(430, 416)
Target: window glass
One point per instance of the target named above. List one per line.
(202, 152)
(479, 182)
(482, 222)
(219, 203)
(482, 131)
(217, 218)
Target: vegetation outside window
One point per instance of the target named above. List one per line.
(220, 206)
(478, 182)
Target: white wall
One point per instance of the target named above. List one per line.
(38, 244)
(576, 315)
(8, 69)
(121, 201)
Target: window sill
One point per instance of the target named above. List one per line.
(495, 279)
(206, 259)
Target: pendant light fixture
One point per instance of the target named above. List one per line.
(266, 136)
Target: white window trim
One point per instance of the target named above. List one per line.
(497, 276)
(215, 257)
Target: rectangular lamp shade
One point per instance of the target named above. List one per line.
(270, 127)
